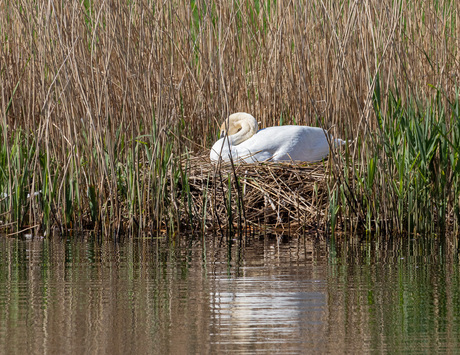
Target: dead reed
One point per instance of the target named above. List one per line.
(103, 105)
(261, 195)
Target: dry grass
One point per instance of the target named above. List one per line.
(259, 195)
(105, 99)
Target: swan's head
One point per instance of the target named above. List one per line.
(242, 123)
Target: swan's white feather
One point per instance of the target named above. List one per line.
(281, 143)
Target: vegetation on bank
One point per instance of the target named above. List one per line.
(108, 112)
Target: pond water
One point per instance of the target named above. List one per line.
(273, 294)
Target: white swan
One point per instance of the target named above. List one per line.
(281, 143)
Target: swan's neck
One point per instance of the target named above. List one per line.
(246, 125)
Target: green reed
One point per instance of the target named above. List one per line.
(410, 177)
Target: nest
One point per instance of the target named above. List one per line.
(261, 195)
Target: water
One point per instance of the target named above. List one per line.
(275, 295)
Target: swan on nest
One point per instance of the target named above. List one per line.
(242, 140)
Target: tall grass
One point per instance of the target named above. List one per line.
(102, 103)
(410, 181)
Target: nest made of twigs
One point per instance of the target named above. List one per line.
(259, 194)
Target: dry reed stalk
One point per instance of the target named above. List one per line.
(307, 61)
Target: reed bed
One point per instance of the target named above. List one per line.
(107, 110)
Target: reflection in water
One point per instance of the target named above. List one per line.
(268, 312)
(283, 296)
(276, 300)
